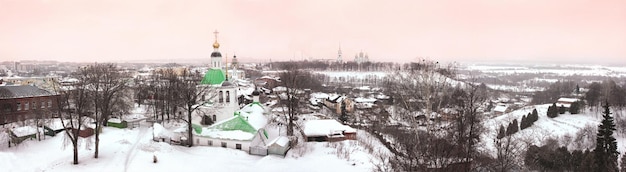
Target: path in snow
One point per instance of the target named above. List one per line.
(133, 149)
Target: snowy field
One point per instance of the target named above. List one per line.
(133, 150)
(560, 70)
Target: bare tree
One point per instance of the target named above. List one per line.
(509, 151)
(73, 105)
(295, 81)
(108, 86)
(192, 97)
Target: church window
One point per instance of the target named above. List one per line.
(227, 96)
(221, 97)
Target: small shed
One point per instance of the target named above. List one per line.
(54, 127)
(20, 134)
(565, 102)
(501, 109)
(84, 133)
(279, 146)
(117, 123)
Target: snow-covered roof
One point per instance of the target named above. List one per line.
(500, 108)
(281, 141)
(55, 124)
(115, 120)
(24, 131)
(382, 96)
(248, 120)
(319, 95)
(567, 100)
(363, 88)
(19, 91)
(324, 127)
(364, 100)
(280, 88)
(565, 105)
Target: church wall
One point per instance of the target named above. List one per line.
(204, 141)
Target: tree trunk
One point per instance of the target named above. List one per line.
(189, 128)
(75, 142)
(97, 141)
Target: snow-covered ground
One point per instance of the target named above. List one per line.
(133, 150)
(565, 125)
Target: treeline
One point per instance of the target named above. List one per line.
(345, 66)
(554, 92)
(593, 93)
(607, 90)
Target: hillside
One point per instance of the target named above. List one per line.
(565, 127)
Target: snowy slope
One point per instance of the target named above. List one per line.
(542, 129)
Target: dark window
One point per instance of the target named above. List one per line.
(210, 143)
(238, 146)
(221, 97)
(227, 96)
(223, 144)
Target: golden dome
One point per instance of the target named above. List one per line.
(216, 45)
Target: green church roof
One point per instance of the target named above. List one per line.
(213, 77)
(236, 123)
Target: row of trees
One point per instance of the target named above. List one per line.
(514, 127)
(607, 90)
(101, 92)
(104, 91)
(529, 120)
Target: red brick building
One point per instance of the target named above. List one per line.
(22, 102)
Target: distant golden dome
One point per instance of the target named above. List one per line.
(216, 45)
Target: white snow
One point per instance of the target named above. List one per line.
(324, 127)
(24, 131)
(280, 141)
(230, 135)
(542, 129)
(55, 124)
(115, 120)
(133, 150)
(364, 100)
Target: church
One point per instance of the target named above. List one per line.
(234, 127)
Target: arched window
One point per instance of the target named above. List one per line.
(227, 96)
(221, 97)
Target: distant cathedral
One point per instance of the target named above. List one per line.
(361, 58)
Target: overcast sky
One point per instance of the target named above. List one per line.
(446, 30)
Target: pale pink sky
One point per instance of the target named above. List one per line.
(402, 30)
